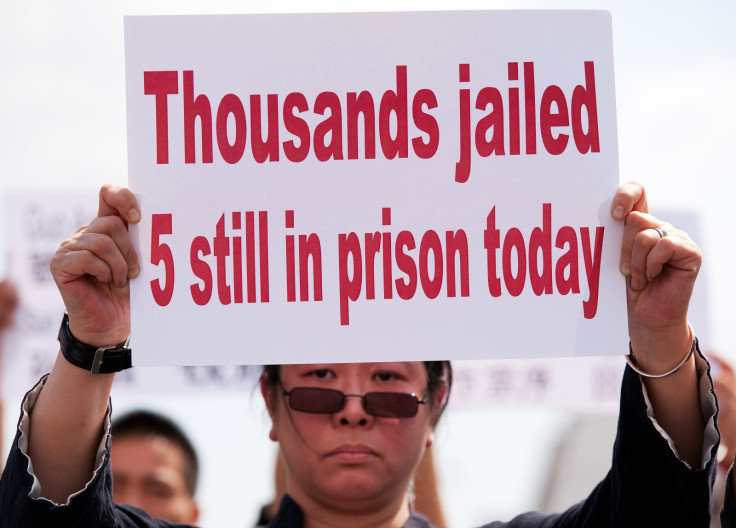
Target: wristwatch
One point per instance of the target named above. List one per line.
(96, 360)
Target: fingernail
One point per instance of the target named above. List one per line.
(625, 269)
(133, 216)
(618, 212)
(133, 271)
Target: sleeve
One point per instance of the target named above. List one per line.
(648, 485)
(728, 513)
(21, 497)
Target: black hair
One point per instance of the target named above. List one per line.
(145, 423)
(439, 374)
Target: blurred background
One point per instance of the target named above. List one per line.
(63, 134)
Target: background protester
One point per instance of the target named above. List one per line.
(154, 466)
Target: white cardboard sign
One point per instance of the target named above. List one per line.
(376, 186)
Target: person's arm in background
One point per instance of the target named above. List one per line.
(8, 302)
(426, 490)
(660, 275)
(268, 511)
(724, 384)
(91, 270)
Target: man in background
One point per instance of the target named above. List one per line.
(154, 467)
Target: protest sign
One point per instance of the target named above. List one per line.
(381, 186)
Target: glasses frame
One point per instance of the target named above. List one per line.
(365, 399)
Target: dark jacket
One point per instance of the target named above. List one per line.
(646, 487)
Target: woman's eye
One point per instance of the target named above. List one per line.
(320, 373)
(386, 376)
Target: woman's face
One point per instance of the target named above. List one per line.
(350, 457)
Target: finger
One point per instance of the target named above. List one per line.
(643, 243)
(105, 240)
(675, 250)
(90, 254)
(116, 200)
(73, 265)
(114, 227)
(635, 223)
(629, 197)
(651, 253)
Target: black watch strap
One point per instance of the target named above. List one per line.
(96, 360)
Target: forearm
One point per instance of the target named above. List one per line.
(675, 398)
(66, 425)
(427, 500)
(92, 270)
(651, 484)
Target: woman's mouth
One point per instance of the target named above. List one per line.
(352, 453)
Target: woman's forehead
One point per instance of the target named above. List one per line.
(406, 368)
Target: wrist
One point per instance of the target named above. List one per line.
(91, 331)
(105, 359)
(667, 370)
(661, 349)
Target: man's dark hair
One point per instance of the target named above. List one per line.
(147, 423)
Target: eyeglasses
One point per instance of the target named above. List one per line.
(326, 401)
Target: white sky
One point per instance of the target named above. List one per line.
(62, 125)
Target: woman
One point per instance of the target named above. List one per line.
(349, 449)
(380, 418)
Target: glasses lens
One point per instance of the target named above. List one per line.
(320, 401)
(391, 404)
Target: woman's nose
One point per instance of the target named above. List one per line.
(353, 412)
